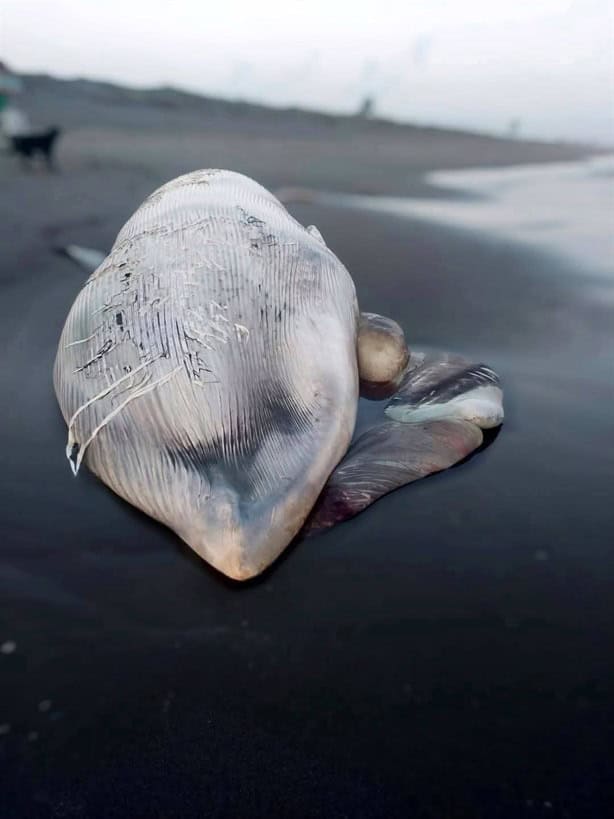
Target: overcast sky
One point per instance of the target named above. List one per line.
(470, 63)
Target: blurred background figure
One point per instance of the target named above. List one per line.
(513, 129)
(9, 84)
(13, 121)
(367, 107)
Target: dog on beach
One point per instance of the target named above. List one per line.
(27, 146)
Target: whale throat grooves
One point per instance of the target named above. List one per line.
(207, 369)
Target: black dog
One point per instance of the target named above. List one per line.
(28, 145)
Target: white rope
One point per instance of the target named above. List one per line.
(71, 441)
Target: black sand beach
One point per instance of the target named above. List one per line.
(445, 654)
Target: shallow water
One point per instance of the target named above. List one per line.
(565, 208)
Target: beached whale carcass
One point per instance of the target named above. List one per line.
(208, 372)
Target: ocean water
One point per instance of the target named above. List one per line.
(563, 208)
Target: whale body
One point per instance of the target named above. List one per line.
(209, 373)
(207, 370)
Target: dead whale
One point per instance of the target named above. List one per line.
(209, 373)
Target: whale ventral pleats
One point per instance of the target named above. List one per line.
(209, 374)
(207, 369)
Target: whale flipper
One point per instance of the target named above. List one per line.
(434, 420)
(442, 385)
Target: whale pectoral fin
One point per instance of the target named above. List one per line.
(434, 420)
(441, 385)
(386, 457)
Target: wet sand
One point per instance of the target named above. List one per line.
(445, 654)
